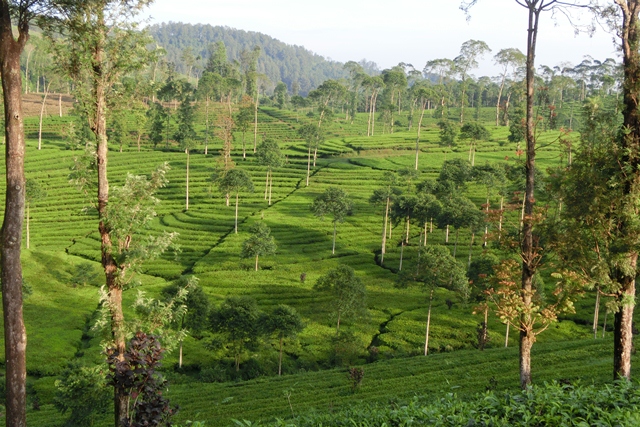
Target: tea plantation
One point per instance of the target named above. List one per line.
(62, 274)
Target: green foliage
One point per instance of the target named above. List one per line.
(82, 392)
(196, 303)
(551, 404)
(237, 320)
(260, 243)
(235, 181)
(334, 202)
(137, 376)
(474, 131)
(517, 128)
(448, 133)
(348, 293)
(84, 273)
(268, 154)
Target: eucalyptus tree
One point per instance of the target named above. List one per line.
(444, 68)
(348, 293)
(313, 136)
(243, 119)
(529, 252)
(474, 132)
(336, 203)
(185, 133)
(470, 52)
(206, 91)
(373, 85)
(283, 322)
(12, 44)
(357, 77)
(268, 154)
(95, 34)
(436, 268)
(328, 92)
(235, 181)
(422, 95)
(459, 212)
(260, 242)
(385, 195)
(509, 58)
(395, 82)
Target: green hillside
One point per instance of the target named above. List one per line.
(388, 342)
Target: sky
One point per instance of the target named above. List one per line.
(392, 31)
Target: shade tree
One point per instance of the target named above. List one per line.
(261, 242)
(348, 295)
(435, 267)
(268, 154)
(385, 195)
(314, 137)
(196, 303)
(235, 181)
(283, 322)
(474, 132)
(334, 202)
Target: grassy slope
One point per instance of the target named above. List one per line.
(58, 315)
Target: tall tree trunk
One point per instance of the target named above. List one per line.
(309, 165)
(60, 106)
(384, 231)
(280, 357)
(333, 249)
(529, 254)
(270, 186)
(15, 336)
(180, 356)
(426, 337)
(206, 127)
(236, 223)
(256, 263)
(623, 319)
(506, 336)
(255, 124)
(44, 101)
(596, 313)
(266, 185)
(186, 205)
(418, 137)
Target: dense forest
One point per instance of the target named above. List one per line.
(219, 221)
(294, 65)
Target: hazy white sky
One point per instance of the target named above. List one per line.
(392, 31)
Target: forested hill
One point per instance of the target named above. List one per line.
(279, 61)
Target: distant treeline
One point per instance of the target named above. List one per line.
(291, 64)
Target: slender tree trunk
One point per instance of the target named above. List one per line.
(236, 224)
(529, 254)
(270, 186)
(333, 249)
(384, 231)
(44, 100)
(338, 324)
(309, 165)
(180, 356)
(186, 206)
(256, 263)
(59, 105)
(473, 235)
(266, 185)
(280, 358)
(255, 124)
(28, 232)
(596, 313)
(623, 319)
(401, 255)
(15, 336)
(426, 336)
(506, 337)
(418, 137)
(206, 127)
